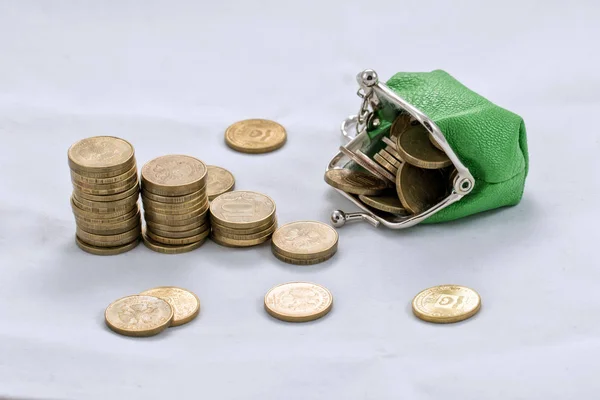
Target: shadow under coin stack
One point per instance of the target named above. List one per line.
(105, 194)
(175, 204)
(242, 219)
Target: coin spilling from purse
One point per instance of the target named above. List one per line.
(405, 175)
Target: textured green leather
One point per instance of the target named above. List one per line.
(489, 140)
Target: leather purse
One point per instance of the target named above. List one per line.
(486, 144)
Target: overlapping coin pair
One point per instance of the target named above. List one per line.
(408, 175)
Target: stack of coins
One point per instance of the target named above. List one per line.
(105, 194)
(304, 242)
(175, 204)
(242, 219)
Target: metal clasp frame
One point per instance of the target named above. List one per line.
(376, 95)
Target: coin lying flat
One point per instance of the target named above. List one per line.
(300, 261)
(101, 154)
(387, 203)
(169, 249)
(255, 136)
(105, 251)
(446, 304)
(242, 209)
(139, 315)
(415, 148)
(176, 199)
(173, 175)
(86, 180)
(177, 241)
(307, 240)
(298, 301)
(228, 242)
(419, 189)
(354, 182)
(185, 304)
(218, 181)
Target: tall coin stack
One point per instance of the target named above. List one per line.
(175, 204)
(105, 194)
(242, 219)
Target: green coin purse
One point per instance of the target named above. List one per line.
(486, 144)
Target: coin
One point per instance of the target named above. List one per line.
(228, 242)
(385, 164)
(101, 154)
(218, 181)
(389, 158)
(387, 203)
(198, 213)
(98, 219)
(415, 148)
(120, 239)
(300, 261)
(135, 189)
(305, 240)
(366, 163)
(168, 249)
(185, 304)
(104, 207)
(179, 229)
(139, 315)
(177, 209)
(445, 304)
(242, 209)
(101, 190)
(298, 301)
(247, 236)
(173, 175)
(400, 124)
(175, 199)
(435, 143)
(112, 229)
(420, 189)
(241, 231)
(179, 235)
(177, 241)
(255, 136)
(391, 144)
(76, 177)
(90, 216)
(354, 182)
(105, 251)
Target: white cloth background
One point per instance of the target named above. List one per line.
(170, 76)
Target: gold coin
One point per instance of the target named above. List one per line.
(175, 199)
(107, 189)
(173, 175)
(355, 182)
(390, 158)
(135, 189)
(248, 236)
(242, 209)
(366, 163)
(90, 216)
(86, 180)
(105, 251)
(388, 203)
(240, 231)
(184, 208)
(391, 145)
(128, 182)
(219, 181)
(175, 225)
(177, 241)
(168, 249)
(100, 219)
(255, 136)
(139, 315)
(299, 261)
(101, 154)
(227, 242)
(415, 148)
(114, 229)
(305, 240)
(385, 164)
(298, 301)
(185, 304)
(200, 214)
(400, 124)
(445, 304)
(182, 234)
(420, 189)
(105, 207)
(179, 229)
(120, 239)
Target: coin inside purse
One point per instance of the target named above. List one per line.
(419, 174)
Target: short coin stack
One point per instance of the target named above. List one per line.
(175, 204)
(242, 219)
(304, 242)
(105, 195)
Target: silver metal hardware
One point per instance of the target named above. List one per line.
(374, 95)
